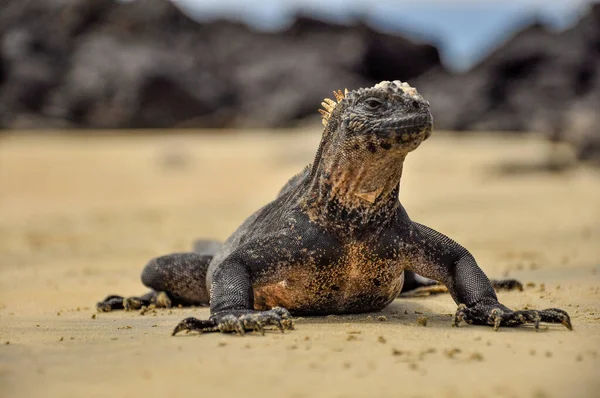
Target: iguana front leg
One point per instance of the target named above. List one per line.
(177, 279)
(438, 257)
(232, 296)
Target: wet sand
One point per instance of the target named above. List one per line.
(81, 215)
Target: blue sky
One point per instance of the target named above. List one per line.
(463, 30)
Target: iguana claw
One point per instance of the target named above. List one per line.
(498, 316)
(239, 321)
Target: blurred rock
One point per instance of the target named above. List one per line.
(140, 64)
(539, 80)
(144, 64)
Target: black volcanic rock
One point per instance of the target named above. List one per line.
(539, 80)
(105, 64)
(144, 64)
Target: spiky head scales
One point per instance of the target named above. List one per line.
(396, 87)
(329, 105)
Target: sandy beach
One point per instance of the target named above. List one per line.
(80, 215)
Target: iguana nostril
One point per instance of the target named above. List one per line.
(416, 104)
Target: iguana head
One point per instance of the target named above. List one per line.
(357, 169)
(388, 117)
(354, 180)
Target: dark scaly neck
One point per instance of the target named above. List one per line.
(353, 188)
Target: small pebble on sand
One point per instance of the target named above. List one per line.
(476, 357)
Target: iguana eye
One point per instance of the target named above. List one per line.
(373, 103)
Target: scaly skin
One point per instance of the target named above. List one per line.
(336, 240)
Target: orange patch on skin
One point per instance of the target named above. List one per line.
(369, 196)
(357, 282)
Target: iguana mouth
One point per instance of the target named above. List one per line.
(421, 121)
(407, 133)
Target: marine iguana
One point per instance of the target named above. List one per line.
(336, 240)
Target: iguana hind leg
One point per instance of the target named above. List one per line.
(419, 286)
(175, 279)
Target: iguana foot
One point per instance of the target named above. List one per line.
(113, 302)
(239, 321)
(110, 303)
(433, 287)
(424, 291)
(498, 315)
(162, 300)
